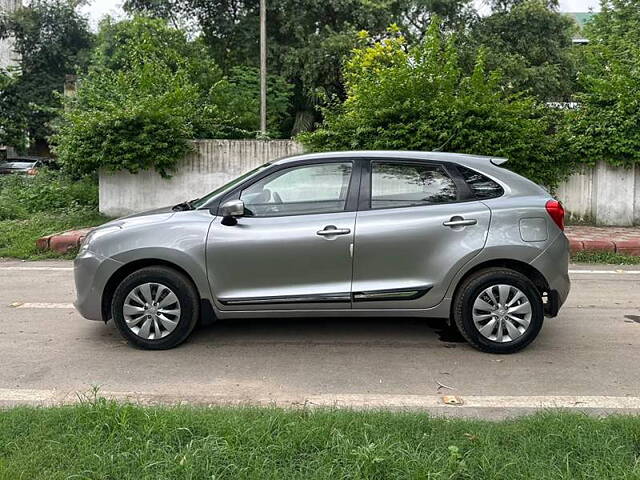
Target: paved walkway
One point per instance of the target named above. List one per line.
(612, 239)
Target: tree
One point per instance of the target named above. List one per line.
(52, 40)
(149, 91)
(123, 45)
(506, 5)
(532, 44)
(308, 39)
(606, 126)
(455, 15)
(420, 98)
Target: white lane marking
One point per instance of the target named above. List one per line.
(43, 269)
(479, 401)
(345, 400)
(607, 272)
(26, 395)
(41, 305)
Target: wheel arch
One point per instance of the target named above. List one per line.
(524, 268)
(129, 268)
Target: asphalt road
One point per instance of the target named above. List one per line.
(585, 358)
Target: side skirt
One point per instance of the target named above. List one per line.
(374, 295)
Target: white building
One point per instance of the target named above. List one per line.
(7, 55)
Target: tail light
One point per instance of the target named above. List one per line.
(32, 171)
(556, 212)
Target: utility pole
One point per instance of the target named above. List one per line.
(263, 68)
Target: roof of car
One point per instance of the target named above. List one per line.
(489, 166)
(463, 158)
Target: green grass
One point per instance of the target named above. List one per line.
(104, 440)
(604, 257)
(18, 237)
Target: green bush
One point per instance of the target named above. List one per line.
(606, 126)
(48, 192)
(419, 98)
(18, 236)
(127, 120)
(150, 90)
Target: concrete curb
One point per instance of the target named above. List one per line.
(602, 239)
(461, 406)
(63, 242)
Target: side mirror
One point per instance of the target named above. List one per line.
(230, 211)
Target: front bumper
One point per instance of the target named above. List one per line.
(91, 273)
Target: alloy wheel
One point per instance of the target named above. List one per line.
(151, 311)
(502, 313)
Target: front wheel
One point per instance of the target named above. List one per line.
(155, 308)
(498, 310)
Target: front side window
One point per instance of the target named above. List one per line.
(317, 188)
(406, 185)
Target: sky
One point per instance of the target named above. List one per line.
(96, 9)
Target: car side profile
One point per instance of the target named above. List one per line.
(368, 233)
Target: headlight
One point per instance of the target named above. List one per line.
(94, 234)
(84, 246)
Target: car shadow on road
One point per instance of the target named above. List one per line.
(329, 331)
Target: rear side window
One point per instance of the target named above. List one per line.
(481, 186)
(407, 185)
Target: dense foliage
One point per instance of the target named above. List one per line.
(606, 126)
(183, 69)
(34, 206)
(307, 39)
(148, 92)
(419, 98)
(531, 44)
(46, 192)
(51, 41)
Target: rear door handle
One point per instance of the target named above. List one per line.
(332, 230)
(460, 222)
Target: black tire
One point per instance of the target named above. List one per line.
(183, 289)
(469, 290)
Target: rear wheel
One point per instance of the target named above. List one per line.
(498, 310)
(155, 308)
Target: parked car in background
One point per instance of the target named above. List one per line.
(27, 165)
(373, 233)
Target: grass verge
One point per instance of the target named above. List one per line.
(101, 439)
(18, 237)
(611, 258)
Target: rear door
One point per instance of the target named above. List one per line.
(417, 224)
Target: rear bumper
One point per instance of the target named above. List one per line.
(91, 273)
(552, 306)
(553, 263)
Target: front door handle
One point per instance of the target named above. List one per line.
(460, 222)
(332, 230)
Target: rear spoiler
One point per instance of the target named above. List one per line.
(497, 161)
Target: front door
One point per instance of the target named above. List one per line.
(293, 247)
(414, 230)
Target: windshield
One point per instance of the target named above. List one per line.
(228, 186)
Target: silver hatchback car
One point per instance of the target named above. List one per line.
(371, 233)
